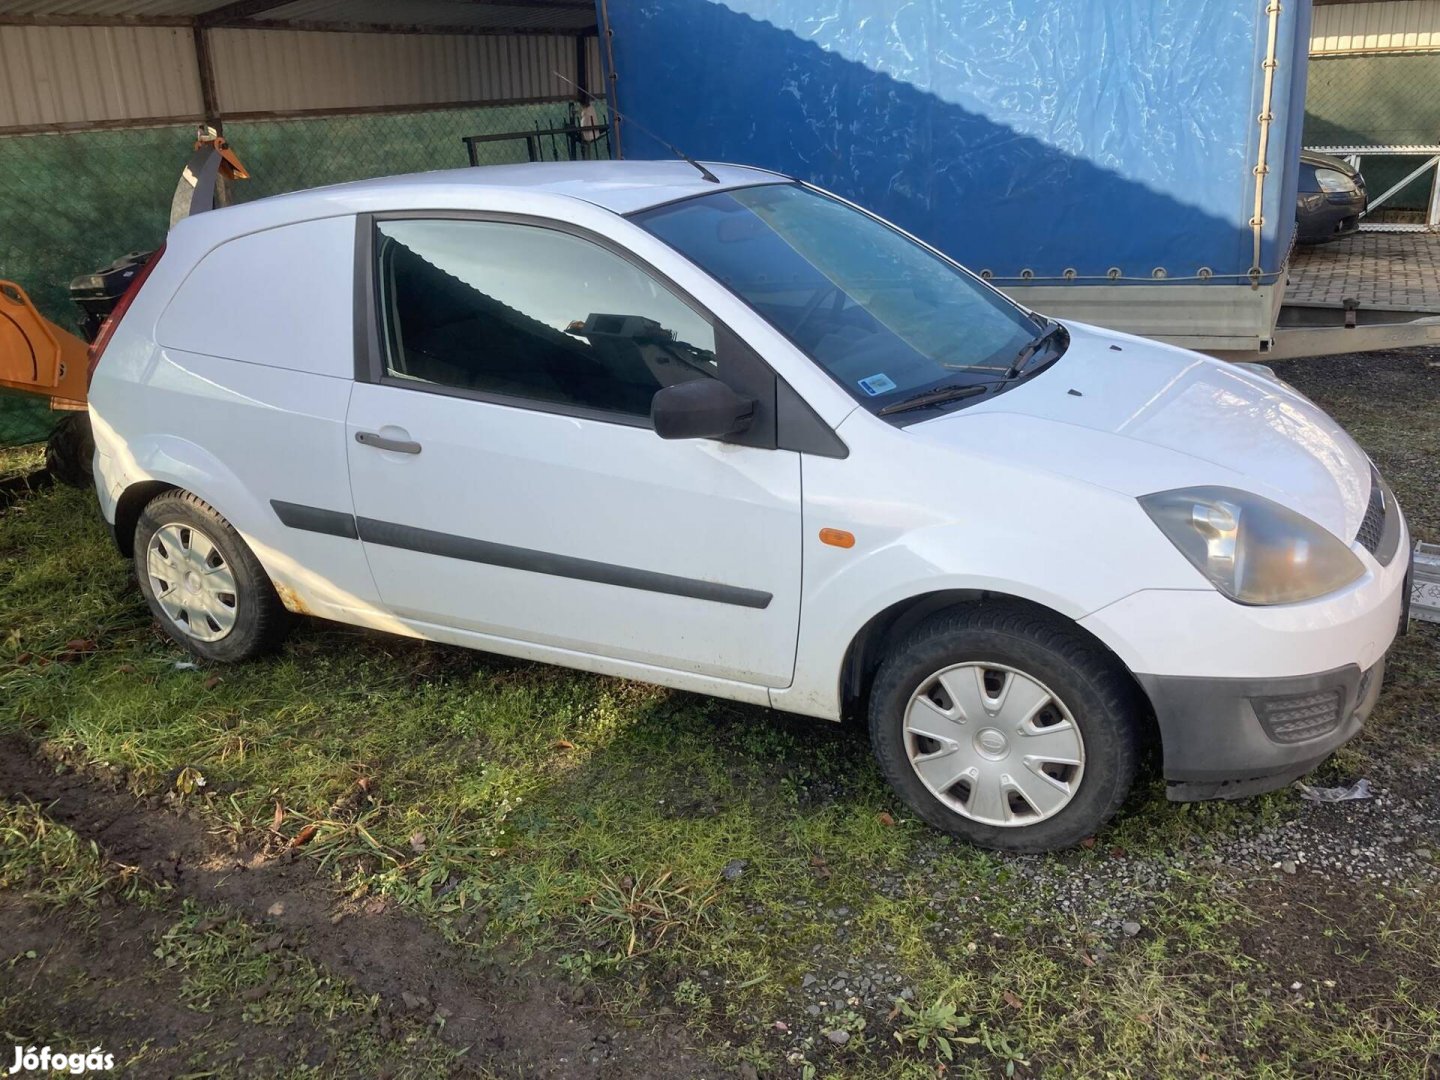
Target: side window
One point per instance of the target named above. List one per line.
(529, 312)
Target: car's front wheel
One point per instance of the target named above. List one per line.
(1007, 726)
(202, 581)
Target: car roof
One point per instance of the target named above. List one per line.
(621, 187)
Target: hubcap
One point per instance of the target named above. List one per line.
(191, 581)
(994, 744)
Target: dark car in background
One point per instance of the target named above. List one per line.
(1331, 199)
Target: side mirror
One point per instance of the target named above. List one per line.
(701, 408)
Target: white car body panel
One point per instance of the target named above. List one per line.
(304, 267)
(1030, 493)
(590, 490)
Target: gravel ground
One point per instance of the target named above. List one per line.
(1105, 898)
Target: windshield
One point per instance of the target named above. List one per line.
(885, 317)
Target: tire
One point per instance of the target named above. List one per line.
(70, 451)
(1038, 784)
(220, 603)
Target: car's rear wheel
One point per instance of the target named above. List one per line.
(70, 451)
(1007, 726)
(203, 583)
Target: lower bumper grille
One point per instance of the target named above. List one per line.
(1300, 717)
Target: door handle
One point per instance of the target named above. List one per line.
(380, 442)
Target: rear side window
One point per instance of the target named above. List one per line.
(522, 311)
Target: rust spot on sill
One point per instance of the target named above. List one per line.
(291, 599)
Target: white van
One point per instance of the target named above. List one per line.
(732, 434)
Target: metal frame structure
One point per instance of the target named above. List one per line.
(1431, 154)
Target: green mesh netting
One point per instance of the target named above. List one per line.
(1373, 100)
(24, 419)
(70, 203)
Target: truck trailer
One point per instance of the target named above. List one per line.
(1129, 165)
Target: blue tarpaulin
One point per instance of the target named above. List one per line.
(1036, 135)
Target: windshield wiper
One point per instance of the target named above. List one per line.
(1033, 346)
(938, 396)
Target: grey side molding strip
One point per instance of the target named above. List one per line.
(314, 519)
(449, 546)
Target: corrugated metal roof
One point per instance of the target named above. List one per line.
(562, 15)
(59, 75)
(69, 74)
(286, 70)
(1375, 27)
(108, 9)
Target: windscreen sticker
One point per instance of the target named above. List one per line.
(876, 385)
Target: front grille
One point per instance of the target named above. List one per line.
(1299, 717)
(1373, 527)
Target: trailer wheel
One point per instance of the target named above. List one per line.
(70, 451)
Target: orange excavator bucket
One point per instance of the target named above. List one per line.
(38, 357)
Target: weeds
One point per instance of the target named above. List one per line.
(644, 911)
(938, 1024)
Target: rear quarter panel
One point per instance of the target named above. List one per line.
(230, 378)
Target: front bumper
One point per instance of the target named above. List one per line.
(1235, 719)
(1334, 217)
(1231, 738)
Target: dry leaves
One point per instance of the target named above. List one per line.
(75, 650)
(304, 836)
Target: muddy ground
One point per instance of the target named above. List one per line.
(507, 1019)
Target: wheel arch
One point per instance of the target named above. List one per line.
(131, 505)
(157, 464)
(868, 647)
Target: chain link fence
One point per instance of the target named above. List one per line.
(1379, 99)
(73, 202)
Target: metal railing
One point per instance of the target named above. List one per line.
(1430, 164)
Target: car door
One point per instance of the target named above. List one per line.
(506, 479)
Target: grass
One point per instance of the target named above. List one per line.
(525, 809)
(52, 867)
(21, 460)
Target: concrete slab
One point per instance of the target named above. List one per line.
(1381, 270)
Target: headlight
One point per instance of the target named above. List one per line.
(1252, 550)
(1333, 180)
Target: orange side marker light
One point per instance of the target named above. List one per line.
(837, 538)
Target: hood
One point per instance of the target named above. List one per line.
(1138, 417)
